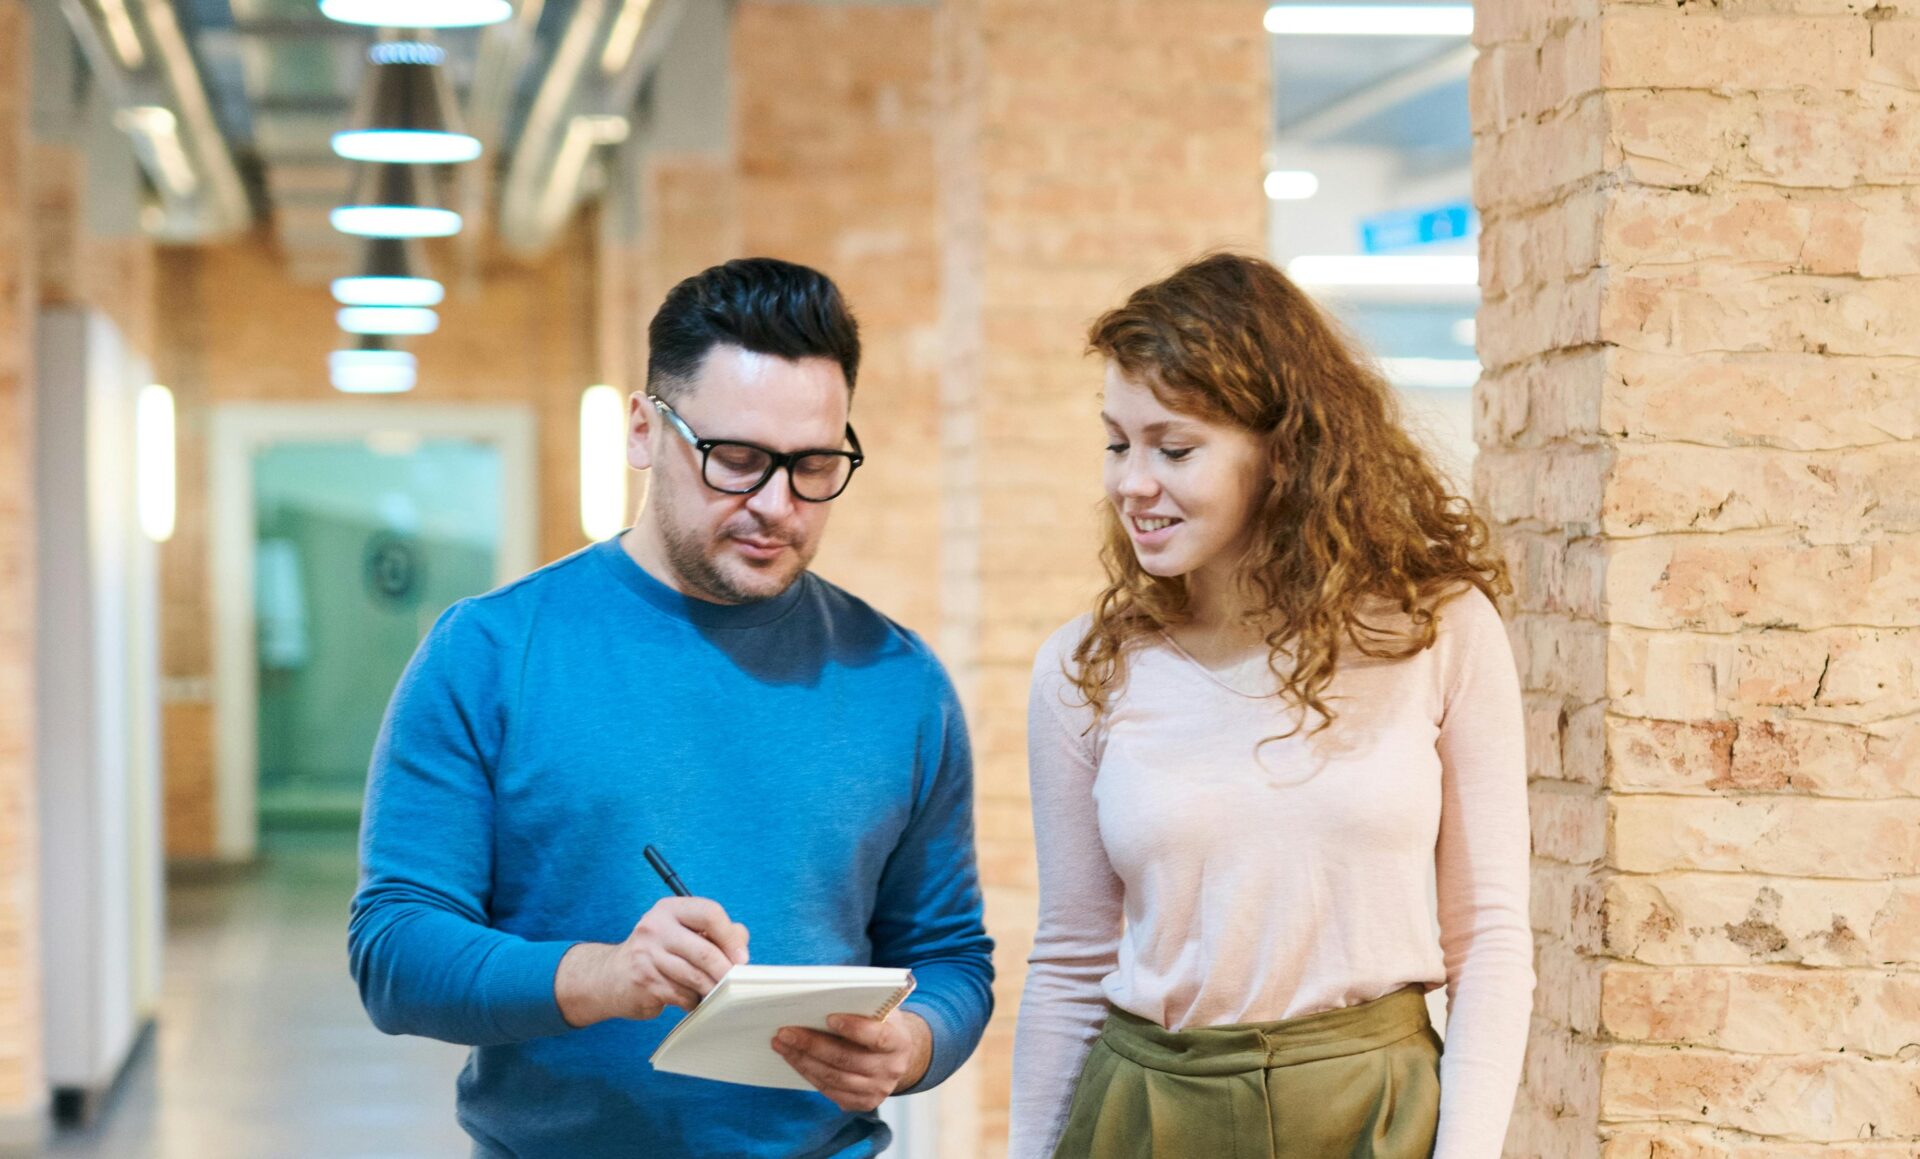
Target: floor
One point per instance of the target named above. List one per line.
(261, 1048)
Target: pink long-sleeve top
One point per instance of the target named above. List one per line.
(1196, 873)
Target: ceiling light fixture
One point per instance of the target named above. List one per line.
(372, 366)
(393, 201)
(392, 273)
(406, 112)
(417, 13)
(408, 320)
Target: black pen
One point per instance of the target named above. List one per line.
(666, 872)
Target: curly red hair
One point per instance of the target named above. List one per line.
(1354, 512)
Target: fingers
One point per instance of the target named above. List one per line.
(824, 1061)
(871, 1033)
(700, 955)
(707, 919)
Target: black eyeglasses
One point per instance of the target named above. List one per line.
(739, 468)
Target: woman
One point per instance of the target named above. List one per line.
(1292, 704)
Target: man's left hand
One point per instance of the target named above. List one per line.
(862, 1061)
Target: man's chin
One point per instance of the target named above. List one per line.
(758, 580)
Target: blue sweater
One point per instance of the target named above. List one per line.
(801, 760)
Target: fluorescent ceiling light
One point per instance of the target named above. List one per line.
(417, 13)
(372, 371)
(624, 35)
(154, 461)
(120, 30)
(393, 272)
(387, 320)
(1334, 270)
(1432, 373)
(406, 113)
(156, 134)
(388, 292)
(406, 146)
(1370, 20)
(395, 221)
(1291, 185)
(394, 201)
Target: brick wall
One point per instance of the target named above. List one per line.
(1085, 148)
(1698, 439)
(233, 328)
(22, 1091)
(834, 116)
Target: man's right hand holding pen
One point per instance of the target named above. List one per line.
(678, 952)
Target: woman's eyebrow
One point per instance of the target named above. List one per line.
(1158, 427)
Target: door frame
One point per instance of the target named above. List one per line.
(238, 431)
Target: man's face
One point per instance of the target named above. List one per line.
(733, 549)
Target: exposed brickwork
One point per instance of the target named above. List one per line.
(843, 180)
(1085, 148)
(22, 1089)
(1697, 437)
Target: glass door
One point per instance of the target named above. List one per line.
(359, 545)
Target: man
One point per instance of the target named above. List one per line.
(798, 758)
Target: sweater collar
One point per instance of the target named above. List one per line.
(678, 606)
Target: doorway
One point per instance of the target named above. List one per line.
(340, 533)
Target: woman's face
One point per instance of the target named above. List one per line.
(1185, 488)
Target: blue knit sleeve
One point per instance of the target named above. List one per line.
(928, 913)
(419, 939)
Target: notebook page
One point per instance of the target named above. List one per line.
(729, 1036)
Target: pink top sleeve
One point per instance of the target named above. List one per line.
(1481, 875)
(1078, 936)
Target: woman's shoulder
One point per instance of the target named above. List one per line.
(1057, 651)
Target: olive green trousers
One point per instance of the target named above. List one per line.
(1361, 1082)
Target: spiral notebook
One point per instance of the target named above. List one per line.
(729, 1036)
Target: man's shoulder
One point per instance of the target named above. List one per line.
(508, 610)
(853, 618)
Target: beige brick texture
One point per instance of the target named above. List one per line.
(1698, 442)
(22, 1087)
(1084, 148)
(843, 180)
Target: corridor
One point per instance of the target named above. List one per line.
(259, 949)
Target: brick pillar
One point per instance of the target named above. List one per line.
(1085, 148)
(22, 1089)
(834, 115)
(1698, 442)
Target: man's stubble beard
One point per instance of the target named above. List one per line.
(691, 557)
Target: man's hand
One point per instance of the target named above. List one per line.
(677, 953)
(862, 1061)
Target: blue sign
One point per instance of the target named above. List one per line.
(1410, 228)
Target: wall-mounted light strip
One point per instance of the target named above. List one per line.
(603, 462)
(1291, 185)
(1370, 20)
(154, 461)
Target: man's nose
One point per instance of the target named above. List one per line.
(774, 500)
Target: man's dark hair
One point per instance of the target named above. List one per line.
(760, 304)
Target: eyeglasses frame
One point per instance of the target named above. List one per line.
(776, 460)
